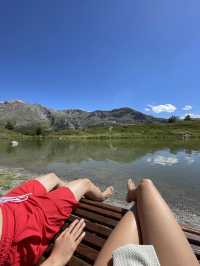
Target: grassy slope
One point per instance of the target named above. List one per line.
(10, 134)
(168, 130)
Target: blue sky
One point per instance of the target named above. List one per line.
(102, 54)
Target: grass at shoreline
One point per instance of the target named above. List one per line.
(9, 178)
(11, 135)
(180, 130)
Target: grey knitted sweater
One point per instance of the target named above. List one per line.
(135, 255)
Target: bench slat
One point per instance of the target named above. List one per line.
(104, 206)
(87, 253)
(93, 240)
(192, 238)
(98, 210)
(96, 217)
(99, 229)
(77, 262)
(196, 250)
(190, 229)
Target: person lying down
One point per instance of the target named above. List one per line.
(32, 213)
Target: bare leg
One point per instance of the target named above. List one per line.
(126, 232)
(160, 229)
(158, 225)
(50, 181)
(84, 187)
(80, 187)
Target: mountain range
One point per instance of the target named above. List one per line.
(23, 116)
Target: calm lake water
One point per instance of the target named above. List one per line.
(173, 166)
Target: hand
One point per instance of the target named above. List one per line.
(66, 244)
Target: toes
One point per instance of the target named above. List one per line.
(111, 189)
(108, 192)
(131, 184)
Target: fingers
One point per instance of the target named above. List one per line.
(78, 229)
(63, 233)
(75, 230)
(69, 229)
(73, 225)
(111, 188)
(80, 238)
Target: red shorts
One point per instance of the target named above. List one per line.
(28, 226)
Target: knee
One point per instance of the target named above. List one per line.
(146, 183)
(51, 175)
(86, 182)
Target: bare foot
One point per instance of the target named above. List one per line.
(131, 194)
(66, 244)
(108, 192)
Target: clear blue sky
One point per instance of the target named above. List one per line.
(101, 54)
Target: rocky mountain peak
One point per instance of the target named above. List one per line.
(25, 116)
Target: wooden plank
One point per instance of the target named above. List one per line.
(96, 217)
(99, 229)
(87, 253)
(190, 229)
(107, 213)
(75, 261)
(196, 250)
(193, 238)
(93, 241)
(105, 206)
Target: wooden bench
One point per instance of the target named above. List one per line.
(100, 220)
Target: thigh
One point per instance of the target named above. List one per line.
(60, 204)
(50, 181)
(160, 229)
(126, 232)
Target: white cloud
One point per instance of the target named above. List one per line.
(147, 109)
(162, 108)
(187, 108)
(163, 160)
(194, 115)
(191, 115)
